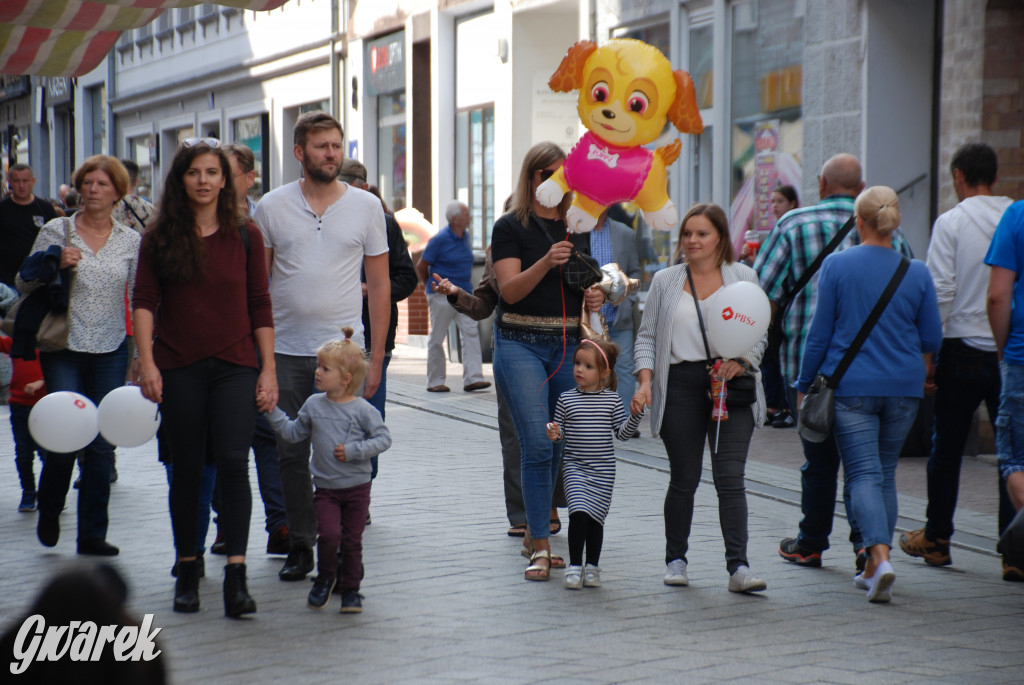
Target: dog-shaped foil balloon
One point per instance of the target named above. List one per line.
(627, 91)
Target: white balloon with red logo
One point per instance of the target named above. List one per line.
(738, 318)
(127, 418)
(63, 422)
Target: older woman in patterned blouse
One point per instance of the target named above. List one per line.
(103, 255)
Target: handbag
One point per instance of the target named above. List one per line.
(775, 335)
(581, 271)
(52, 334)
(741, 391)
(817, 410)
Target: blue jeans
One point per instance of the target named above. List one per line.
(377, 401)
(1010, 424)
(818, 492)
(268, 473)
(870, 432)
(520, 370)
(966, 377)
(624, 364)
(25, 447)
(92, 375)
(206, 486)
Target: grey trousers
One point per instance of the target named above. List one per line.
(295, 385)
(511, 461)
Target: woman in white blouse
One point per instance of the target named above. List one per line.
(672, 369)
(103, 256)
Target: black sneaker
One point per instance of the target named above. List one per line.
(790, 550)
(278, 542)
(320, 595)
(862, 560)
(28, 501)
(351, 602)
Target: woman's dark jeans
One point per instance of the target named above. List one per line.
(686, 426)
(217, 399)
(92, 375)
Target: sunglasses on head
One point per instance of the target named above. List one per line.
(192, 142)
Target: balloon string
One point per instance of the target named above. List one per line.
(565, 343)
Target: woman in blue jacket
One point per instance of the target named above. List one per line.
(877, 398)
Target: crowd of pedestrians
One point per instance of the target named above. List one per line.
(241, 347)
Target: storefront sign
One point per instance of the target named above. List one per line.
(13, 86)
(58, 91)
(766, 172)
(384, 64)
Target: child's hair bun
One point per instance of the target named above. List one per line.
(347, 331)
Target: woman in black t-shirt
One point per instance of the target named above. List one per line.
(538, 318)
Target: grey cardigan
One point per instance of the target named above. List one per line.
(652, 349)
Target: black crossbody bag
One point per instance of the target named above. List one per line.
(741, 390)
(775, 329)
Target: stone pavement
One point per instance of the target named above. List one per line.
(445, 598)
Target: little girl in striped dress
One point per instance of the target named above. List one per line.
(585, 419)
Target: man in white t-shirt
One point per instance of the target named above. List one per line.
(318, 233)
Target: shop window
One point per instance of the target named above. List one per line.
(474, 173)
(141, 151)
(253, 132)
(391, 153)
(767, 106)
(97, 99)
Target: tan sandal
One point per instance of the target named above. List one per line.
(527, 550)
(540, 572)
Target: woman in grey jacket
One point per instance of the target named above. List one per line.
(673, 376)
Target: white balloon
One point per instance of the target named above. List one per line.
(126, 418)
(63, 422)
(738, 318)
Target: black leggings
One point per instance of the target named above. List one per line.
(584, 530)
(215, 400)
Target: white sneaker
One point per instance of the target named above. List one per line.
(591, 576)
(573, 577)
(861, 582)
(880, 584)
(675, 573)
(744, 580)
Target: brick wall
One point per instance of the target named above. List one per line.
(960, 102)
(1003, 93)
(413, 316)
(833, 83)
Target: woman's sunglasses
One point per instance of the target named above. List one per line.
(545, 174)
(192, 142)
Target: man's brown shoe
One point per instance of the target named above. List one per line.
(479, 385)
(934, 552)
(439, 388)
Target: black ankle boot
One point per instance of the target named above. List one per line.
(237, 600)
(186, 588)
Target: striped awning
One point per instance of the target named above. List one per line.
(70, 37)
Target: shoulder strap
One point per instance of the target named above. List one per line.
(869, 323)
(809, 272)
(131, 209)
(243, 230)
(700, 317)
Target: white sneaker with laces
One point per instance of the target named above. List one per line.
(744, 580)
(675, 573)
(573, 577)
(591, 576)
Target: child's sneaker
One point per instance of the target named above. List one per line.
(28, 501)
(573, 577)
(320, 595)
(351, 602)
(591, 576)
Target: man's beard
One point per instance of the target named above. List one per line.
(319, 176)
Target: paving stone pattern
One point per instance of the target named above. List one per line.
(445, 598)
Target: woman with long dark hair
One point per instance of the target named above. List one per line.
(202, 265)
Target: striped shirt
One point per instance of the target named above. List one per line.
(797, 239)
(587, 420)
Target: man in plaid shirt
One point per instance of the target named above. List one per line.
(797, 239)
